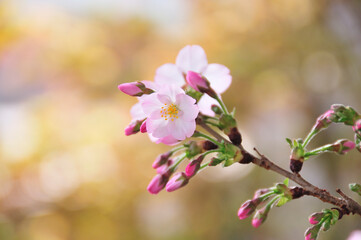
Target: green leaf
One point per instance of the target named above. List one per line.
(335, 216)
(286, 182)
(355, 187)
(282, 201)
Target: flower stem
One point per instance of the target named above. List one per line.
(316, 151)
(310, 135)
(180, 159)
(224, 108)
(199, 134)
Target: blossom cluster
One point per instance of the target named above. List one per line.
(184, 103)
(169, 108)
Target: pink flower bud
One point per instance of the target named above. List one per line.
(179, 180)
(256, 222)
(357, 127)
(342, 146)
(143, 127)
(193, 166)
(196, 81)
(260, 192)
(324, 120)
(246, 209)
(157, 184)
(166, 168)
(315, 218)
(161, 159)
(131, 89)
(312, 232)
(308, 236)
(132, 128)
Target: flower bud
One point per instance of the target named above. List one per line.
(216, 109)
(157, 183)
(260, 216)
(143, 127)
(355, 187)
(342, 146)
(162, 159)
(315, 218)
(166, 169)
(200, 83)
(323, 121)
(344, 114)
(133, 128)
(193, 166)
(312, 232)
(246, 209)
(177, 181)
(235, 136)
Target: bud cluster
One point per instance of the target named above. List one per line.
(266, 199)
(322, 221)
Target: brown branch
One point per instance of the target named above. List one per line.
(347, 204)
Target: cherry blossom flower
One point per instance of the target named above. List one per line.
(193, 58)
(170, 114)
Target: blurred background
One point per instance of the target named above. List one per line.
(68, 172)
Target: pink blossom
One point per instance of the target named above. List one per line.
(308, 236)
(157, 184)
(170, 113)
(130, 89)
(246, 209)
(179, 180)
(193, 167)
(193, 58)
(313, 220)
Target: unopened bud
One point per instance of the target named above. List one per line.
(323, 121)
(312, 232)
(344, 114)
(166, 169)
(157, 184)
(315, 218)
(216, 109)
(260, 192)
(246, 209)
(260, 216)
(342, 146)
(177, 181)
(193, 166)
(134, 89)
(133, 127)
(200, 83)
(235, 136)
(162, 159)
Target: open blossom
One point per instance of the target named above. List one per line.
(170, 113)
(193, 58)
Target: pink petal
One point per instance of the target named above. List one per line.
(137, 112)
(151, 85)
(192, 58)
(181, 129)
(205, 105)
(165, 99)
(218, 76)
(169, 74)
(158, 128)
(150, 103)
(186, 104)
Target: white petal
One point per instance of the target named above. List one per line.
(169, 74)
(188, 109)
(192, 58)
(152, 85)
(218, 76)
(171, 91)
(157, 127)
(137, 112)
(175, 128)
(205, 105)
(150, 103)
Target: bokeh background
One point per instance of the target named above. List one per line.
(68, 172)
